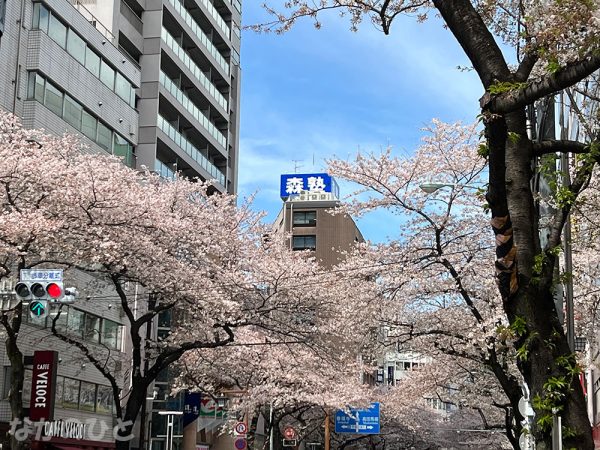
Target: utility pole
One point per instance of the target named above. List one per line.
(326, 430)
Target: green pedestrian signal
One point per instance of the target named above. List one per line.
(38, 309)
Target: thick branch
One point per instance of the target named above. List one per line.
(565, 77)
(475, 38)
(559, 146)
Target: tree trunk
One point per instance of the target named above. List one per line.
(526, 279)
(132, 409)
(15, 397)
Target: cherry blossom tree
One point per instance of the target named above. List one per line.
(555, 46)
(438, 299)
(161, 247)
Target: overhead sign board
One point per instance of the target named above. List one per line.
(308, 183)
(41, 275)
(43, 385)
(358, 421)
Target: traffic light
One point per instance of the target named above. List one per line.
(47, 290)
(38, 309)
(22, 291)
(52, 291)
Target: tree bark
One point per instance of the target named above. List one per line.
(526, 279)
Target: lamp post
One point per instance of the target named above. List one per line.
(430, 188)
(170, 425)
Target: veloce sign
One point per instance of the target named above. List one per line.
(43, 385)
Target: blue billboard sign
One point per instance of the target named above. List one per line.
(191, 407)
(315, 183)
(358, 421)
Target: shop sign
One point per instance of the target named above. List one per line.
(67, 429)
(43, 385)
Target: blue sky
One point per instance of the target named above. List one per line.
(313, 94)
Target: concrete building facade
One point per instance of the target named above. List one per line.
(188, 100)
(61, 73)
(155, 82)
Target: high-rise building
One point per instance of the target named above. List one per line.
(153, 81)
(60, 71)
(188, 100)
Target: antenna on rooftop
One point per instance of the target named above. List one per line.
(297, 164)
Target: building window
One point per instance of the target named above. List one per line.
(122, 87)
(305, 218)
(45, 20)
(75, 322)
(57, 31)
(87, 397)
(111, 334)
(88, 125)
(104, 136)
(53, 99)
(2, 15)
(72, 112)
(59, 396)
(92, 62)
(308, 242)
(107, 75)
(104, 400)
(92, 328)
(71, 393)
(76, 46)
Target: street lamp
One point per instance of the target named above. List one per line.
(430, 188)
(170, 425)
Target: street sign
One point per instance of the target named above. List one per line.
(43, 385)
(38, 309)
(41, 275)
(240, 443)
(240, 428)
(358, 421)
(289, 443)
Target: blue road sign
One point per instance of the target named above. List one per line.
(358, 421)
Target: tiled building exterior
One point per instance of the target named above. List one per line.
(155, 82)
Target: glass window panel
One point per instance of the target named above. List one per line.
(111, 334)
(122, 87)
(61, 320)
(57, 31)
(31, 85)
(104, 137)
(76, 46)
(59, 391)
(72, 112)
(40, 84)
(87, 396)
(35, 23)
(304, 242)
(75, 322)
(40, 17)
(305, 218)
(7, 381)
(104, 400)
(92, 328)
(88, 125)
(92, 61)
(107, 74)
(27, 386)
(53, 99)
(71, 393)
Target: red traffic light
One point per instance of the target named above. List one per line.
(54, 290)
